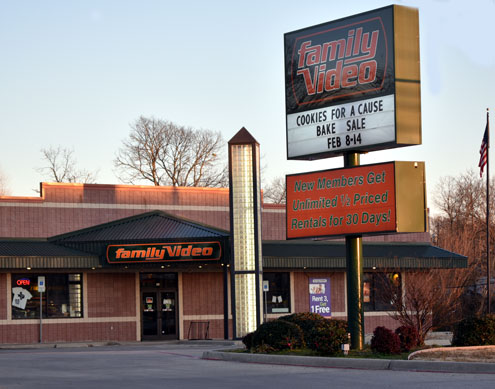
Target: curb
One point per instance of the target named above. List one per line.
(37, 346)
(354, 363)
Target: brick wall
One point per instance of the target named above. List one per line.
(202, 295)
(384, 320)
(111, 295)
(68, 207)
(68, 332)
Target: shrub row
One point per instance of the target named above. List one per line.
(471, 331)
(299, 330)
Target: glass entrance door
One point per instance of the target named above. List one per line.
(168, 314)
(159, 314)
(150, 314)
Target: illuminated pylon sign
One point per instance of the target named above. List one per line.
(245, 228)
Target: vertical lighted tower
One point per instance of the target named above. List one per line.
(245, 230)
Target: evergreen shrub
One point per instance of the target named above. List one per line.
(306, 321)
(278, 334)
(475, 331)
(248, 340)
(327, 336)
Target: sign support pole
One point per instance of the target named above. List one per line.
(354, 265)
(265, 307)
(41, 317)
(266, 288)
(41, 289)
(488, 276)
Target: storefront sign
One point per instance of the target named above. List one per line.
(23, 282)
(388, 197)
(163, 252)
(41, 284)
(353, 84)
(266, 286)
(319, 296)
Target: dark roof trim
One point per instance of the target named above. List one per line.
(36, 248)
(40, 254)
(49, 262)
(368, 263)
(379, 255)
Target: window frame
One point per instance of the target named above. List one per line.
(371, 283)
(60, 300)
(283, 291)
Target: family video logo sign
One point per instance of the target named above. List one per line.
(158, 252)
(339, 62)
(341, 84)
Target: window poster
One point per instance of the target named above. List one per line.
(21, 296)
(366, 292)
(319, 296)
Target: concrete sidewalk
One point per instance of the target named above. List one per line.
(354, 363)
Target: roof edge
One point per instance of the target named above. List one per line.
(128, 219)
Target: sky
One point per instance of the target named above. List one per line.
(79, 73)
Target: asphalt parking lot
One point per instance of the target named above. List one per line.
(183, 365)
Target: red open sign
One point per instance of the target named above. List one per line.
(23, 282)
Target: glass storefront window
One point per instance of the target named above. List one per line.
(62, 297)
(278, 296)
(377, 291)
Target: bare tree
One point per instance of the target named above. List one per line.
(276, 191)
(60, 166)
(426, 299)
(4, 185)
(461, 200)
(165, 153)
(461, 227)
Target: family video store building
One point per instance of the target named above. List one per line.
(131, 263)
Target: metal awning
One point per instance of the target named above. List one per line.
(83, 249)
(41, 254)
(307, 254)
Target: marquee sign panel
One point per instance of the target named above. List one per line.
(368, 199)
(353, 84)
